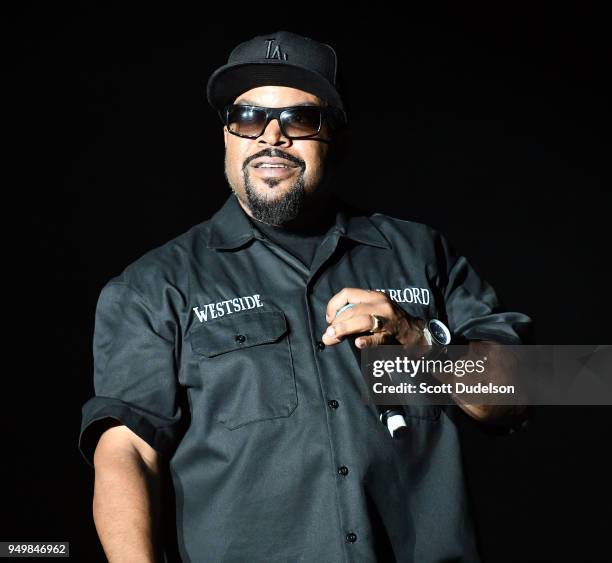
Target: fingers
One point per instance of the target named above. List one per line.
(373, 340)
(357, 318)
(343, 308)
(351, 295)
(355, 324)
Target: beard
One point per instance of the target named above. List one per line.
(294, 208)
(276, 210)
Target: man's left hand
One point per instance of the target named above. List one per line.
(370, 310)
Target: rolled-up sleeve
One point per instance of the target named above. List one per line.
(135, 375)
(473, 309)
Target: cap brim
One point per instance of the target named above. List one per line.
(231, 80)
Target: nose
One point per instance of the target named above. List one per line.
(273, 135)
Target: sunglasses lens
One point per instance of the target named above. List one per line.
(246, 120)
(301, 121)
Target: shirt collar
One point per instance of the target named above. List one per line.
(230, 228)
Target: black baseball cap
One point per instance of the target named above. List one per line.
(276, 59)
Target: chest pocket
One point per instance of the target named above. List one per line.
(247, 366)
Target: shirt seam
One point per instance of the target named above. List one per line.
(146, 304)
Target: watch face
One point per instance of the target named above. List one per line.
(439, 332)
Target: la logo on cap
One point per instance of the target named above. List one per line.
(274, 51)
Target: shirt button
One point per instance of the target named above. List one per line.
(343, 470)
(320, 345)
(240, 338)
(351, 537)
(333, 404)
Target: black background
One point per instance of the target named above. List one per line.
(489, 124)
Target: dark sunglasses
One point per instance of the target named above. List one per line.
(295, 122)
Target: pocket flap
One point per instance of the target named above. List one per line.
(238, 331)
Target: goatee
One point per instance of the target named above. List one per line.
(275, 210)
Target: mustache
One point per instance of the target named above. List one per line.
(274, 153)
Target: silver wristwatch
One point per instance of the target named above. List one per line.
(437, 335)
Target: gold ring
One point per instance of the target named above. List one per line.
(377, 323)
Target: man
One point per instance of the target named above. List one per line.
(223, 367)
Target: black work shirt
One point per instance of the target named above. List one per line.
(209, 349)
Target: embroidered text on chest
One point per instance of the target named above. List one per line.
(227, 307)
(408, 295)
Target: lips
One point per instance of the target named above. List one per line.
(273, 167)
(272, 163)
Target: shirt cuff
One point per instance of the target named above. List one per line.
(159, 432)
